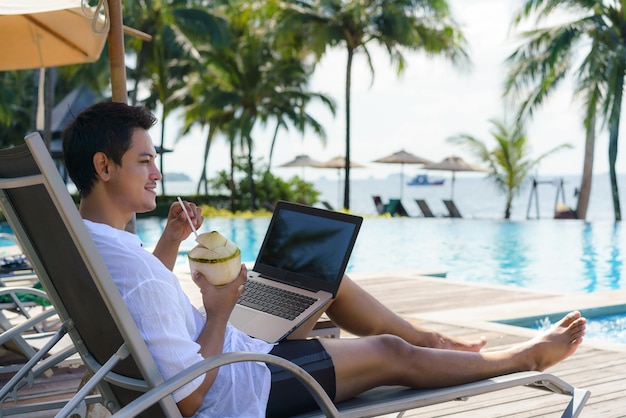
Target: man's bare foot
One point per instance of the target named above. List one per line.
(555, 344)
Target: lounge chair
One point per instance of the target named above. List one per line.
(378, 203)
(452, 209)
(393, 208)
(18, 324)
(106, 336)
(396, 208)
(421, 203)
(327, 205)
(14, 266)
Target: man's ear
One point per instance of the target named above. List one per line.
(101, 165)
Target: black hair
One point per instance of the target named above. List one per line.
(104, 127)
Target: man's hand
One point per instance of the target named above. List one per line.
(219, 301)
(177, 227)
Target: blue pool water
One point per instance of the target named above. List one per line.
(563, 256)
(551, 255)
(605, 328)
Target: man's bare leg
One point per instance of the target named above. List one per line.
(361, 314)
(364, 363)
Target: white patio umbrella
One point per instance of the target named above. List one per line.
(402, 157)
(454, 164)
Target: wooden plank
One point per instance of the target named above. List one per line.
(595, 367)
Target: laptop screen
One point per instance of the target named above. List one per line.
(307, 247)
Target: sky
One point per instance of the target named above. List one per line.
(417, 111)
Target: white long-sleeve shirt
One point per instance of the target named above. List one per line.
(170, 325)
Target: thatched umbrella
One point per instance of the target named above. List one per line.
(402, 157)
(454, 164)
(339, 163)
(303, 161)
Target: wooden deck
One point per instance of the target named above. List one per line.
(469, 310)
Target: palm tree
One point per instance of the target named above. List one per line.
(207, 109)
(288, 108)
(251, 84)
(16, 108)
(179, 30)
(594, 31)
(509, 160)
(319, 24)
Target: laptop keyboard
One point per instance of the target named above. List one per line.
(275, 301)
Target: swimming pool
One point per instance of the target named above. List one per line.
(605, 324)
(551, 255)
(564, 256)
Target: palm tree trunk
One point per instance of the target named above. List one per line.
(346, 189)
(231, 180)
(162, 152)
(613, 139)
(253, 205)
(203, 176)
(584, 193)
(138, 71)
(509, 203)
(269, 164)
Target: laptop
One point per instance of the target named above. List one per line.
(297, 272)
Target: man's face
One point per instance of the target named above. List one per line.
(134, 182)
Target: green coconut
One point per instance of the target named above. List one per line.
(216, 257)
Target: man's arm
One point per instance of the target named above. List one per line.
(177, 229)
(218, 303)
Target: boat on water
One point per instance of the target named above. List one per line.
(424, 180)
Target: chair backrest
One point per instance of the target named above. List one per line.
(395, 207)
(421, 203)
(401, 210)
(380, 206)
(454, 211)
(46, 222)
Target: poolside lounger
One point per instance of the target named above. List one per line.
(327, 205)
(421, 203)
(396, 208)
(393, 208)
(91, 307)
(378, 203)
(452, 209)
(18, 324)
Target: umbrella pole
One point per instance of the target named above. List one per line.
(116, 52)
(401, 180)
(339, 187)
(452, 188)
(117, 68)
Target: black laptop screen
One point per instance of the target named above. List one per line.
(307, 244)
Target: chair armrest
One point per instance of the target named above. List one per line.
(166, 388)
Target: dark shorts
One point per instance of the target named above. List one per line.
(288, 396)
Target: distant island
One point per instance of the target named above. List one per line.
(177, 177)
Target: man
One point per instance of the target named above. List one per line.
(110, 157)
